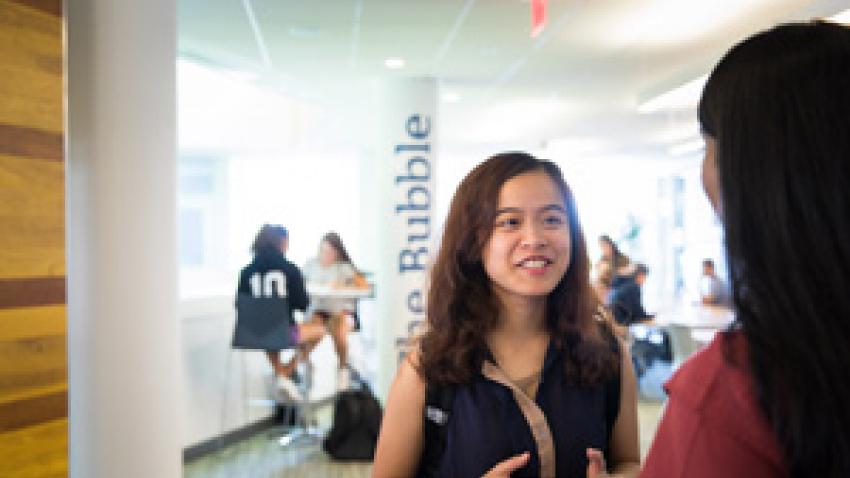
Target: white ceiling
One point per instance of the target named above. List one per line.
(578, 83)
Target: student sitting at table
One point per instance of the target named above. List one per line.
(625, 297)
(712, 290)
(333, 269)
(269, 266)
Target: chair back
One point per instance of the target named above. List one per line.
(263, 323)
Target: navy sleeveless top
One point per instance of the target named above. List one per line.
(488, 425)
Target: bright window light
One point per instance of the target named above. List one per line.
(843, 17)
(686, 148)
(450, 97)
(677, 133)
(394, 63)
(684, 96)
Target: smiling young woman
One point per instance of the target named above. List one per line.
(539, 384)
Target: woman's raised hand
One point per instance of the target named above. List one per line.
(504, 468)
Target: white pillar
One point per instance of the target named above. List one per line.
(123, 342)
(405, 215)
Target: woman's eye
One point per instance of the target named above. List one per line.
(508, 222)
(553, 220)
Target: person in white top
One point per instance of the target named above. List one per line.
(333, 269)
(712, 290)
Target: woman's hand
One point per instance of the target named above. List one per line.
(596, 464)
(504, 468)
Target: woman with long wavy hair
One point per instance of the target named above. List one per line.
(540, 385)
(771, 396)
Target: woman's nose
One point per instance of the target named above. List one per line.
(533, 236)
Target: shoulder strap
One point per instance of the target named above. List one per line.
(436, 414)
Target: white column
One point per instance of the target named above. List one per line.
(123, 332)
(405, 214)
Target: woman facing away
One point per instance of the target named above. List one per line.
(333, 269)
(771, 396)
(270, 274)
(540, 387)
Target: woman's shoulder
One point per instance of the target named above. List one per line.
(715, 388)
(716, 384)
(409, 382)
(719, 367)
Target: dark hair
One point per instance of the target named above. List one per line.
(618, 259)
(641, 268)
(777, 105)
(268, 239)
(461, 306)
(335, 242)
(708, 263)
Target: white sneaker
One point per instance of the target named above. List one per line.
(288, 390)
(343, 379)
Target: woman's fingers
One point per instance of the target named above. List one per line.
(595, 464)
(505, 468)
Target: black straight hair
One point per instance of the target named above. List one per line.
(778, 106)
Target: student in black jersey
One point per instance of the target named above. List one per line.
(271, 274)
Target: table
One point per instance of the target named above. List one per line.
(328, 292)
(692, 326)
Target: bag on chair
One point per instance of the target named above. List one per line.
(356, 424)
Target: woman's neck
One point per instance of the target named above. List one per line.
(519, 341)
(520, 320)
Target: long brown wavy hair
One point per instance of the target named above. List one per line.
(462, 308)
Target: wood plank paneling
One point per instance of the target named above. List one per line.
(32, 202)
(30, 68)
(31, 363)
(39, 451)
(32, 322)
(30, 142)
(33, 338)
(33, 410)
(53, 7)
(31, 292)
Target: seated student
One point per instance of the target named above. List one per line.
(770, 397)
(271, 274)
(626, 306)
(712, 290)
(625, 297)
(333, 269)
(613, 262)
(532, 380)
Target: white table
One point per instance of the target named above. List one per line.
(328, 292)
(692, 326)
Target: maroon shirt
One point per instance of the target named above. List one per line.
(712, 426)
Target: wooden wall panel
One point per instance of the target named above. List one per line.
(33, 338)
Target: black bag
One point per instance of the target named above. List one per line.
(356, 424)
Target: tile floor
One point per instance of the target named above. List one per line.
(261, 456)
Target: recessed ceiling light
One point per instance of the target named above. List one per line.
(394, 63)
(451, 97)
(684, 96)
(304, 32)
